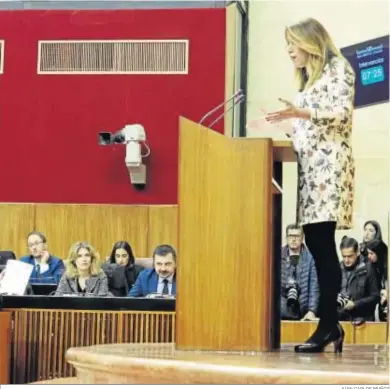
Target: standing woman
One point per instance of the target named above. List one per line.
(321, 135)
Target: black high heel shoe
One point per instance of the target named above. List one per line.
(320, 339)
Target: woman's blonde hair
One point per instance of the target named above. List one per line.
(311, 36)
(71, 268)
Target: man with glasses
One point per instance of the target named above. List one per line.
(48, 269)
(300, 291)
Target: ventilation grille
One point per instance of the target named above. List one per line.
(1, 56)
(113, 57)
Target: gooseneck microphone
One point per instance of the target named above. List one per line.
(238, 93)
(238, 101)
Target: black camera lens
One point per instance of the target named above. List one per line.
(104, 138)
(118, 138)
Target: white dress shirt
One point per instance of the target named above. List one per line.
(43, 267)
(160, 285)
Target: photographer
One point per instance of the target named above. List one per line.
(359, 288)
(299, 283)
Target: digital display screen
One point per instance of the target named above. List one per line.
(370, 60)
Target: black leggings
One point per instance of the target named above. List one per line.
(320, 240)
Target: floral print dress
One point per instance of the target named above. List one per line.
(326, 168)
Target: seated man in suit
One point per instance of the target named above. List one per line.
(48, 269)
(162, 278)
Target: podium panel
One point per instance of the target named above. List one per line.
(5, 353)
(225, 241)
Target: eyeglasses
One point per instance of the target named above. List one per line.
(294, 236)
(34, 244)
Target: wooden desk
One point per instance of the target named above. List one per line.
(5, 349)
(283, 151)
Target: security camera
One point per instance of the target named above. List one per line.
(133, 136)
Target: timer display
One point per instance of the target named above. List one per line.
(370, 61)
(372, 75)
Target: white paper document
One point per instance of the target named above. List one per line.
(16, 277)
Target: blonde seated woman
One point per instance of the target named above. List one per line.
(83, 274)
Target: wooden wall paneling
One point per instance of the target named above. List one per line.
(17, 220)
(100, 225)
(300, 331)
(371, 333)
(163, 226)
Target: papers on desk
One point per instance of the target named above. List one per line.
(16, 277)
(160, 296)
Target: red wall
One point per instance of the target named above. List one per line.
(49, 124)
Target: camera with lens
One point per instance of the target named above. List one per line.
(109, 138)
(342, 300)
(133, 136)
(291, 291)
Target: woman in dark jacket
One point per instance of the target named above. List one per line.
(372, 231)
(377, 255)
(122, 271)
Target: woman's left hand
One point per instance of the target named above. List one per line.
(289, 112)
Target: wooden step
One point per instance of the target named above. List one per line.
(58, 381)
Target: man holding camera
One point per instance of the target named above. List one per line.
(300, 291)
(359, 288)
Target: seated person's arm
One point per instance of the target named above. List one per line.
(136, 289)
(58, 271)
(314, 292)
(50, 276)
(102, 289)
(382, 308)
(63, 287)
(371, 293)
(383, 297)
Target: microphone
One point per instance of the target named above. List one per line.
(240, 99)
(239, 92)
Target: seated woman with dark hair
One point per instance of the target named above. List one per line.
(372, 231)
(83, 273)
(121, 269)
(377, 256)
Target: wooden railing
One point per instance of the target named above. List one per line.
(40, 338)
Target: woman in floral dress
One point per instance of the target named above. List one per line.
(321, 135)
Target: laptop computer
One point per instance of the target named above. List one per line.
(43, 289)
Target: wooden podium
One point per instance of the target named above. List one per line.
(5, 350)
(229, 241)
